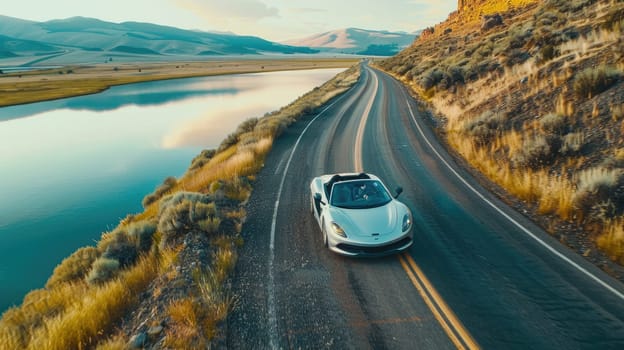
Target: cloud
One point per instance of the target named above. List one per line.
(305, 10)
(232, 9)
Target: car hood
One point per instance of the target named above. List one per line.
(367, 222)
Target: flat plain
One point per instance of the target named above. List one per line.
(49, 84)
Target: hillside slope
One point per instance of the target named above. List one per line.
(533, 98)
(357, 41)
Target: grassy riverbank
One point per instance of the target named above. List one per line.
(50, 84)
(159, 278)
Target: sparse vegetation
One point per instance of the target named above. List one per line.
(593, 81)
(146, 259)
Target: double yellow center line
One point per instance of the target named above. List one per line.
(451, 325)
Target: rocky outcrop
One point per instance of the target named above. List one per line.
(491, 21)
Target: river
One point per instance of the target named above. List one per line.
(70, 169)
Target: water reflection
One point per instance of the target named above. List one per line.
(150, 94)
(72, 169)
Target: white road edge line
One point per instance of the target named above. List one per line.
(273, 339)
(512, 220)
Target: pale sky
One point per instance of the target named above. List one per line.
(275, 20)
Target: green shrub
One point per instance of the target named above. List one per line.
(514, 57)
(183, 212)
(228, 142)
(203, 158)
(247, 126)
(103, 270)
(535, 152)
(484, 127)
(596, 185)
(142, 234)
(169, 183)
(209, 225)
(456, 73)
(431, 79)
(554, 123)
(547, 53)
(572, 143)
(74, 267)
(593, 81)
(122, 249)
(204, 210)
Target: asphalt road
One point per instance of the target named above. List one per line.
(479, 274)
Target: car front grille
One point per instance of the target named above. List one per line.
(364, 250)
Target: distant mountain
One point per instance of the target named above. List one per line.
(89, 39)
(358, 41)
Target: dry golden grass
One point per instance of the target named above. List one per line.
(194, 321)
(94, 315)
(184, 332)
(612, 241)
(617, 111)
(73, 316)
(118, 342)
(557, 196)
(18, 322)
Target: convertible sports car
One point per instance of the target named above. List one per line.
(358, 216)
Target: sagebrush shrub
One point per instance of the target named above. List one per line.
(122, 248)
(572, 143)
(202, 158)
(484, 127)
(184, 212)
(535, 152)
(103, 270)
(596, 185)
(554, 123)
(142, 234)
(593, 81)
(74, 267)
(166, 186)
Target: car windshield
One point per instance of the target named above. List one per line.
(359, 194)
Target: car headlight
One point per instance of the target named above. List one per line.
(407, 222)
(338, 230)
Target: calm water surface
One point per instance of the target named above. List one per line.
(71, 169)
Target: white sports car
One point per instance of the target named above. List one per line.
(358, 216)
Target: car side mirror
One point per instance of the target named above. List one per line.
(398, 190)
(317, 198)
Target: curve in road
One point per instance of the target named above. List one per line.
(504, 288)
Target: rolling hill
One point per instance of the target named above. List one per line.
(357, 41)
(83, 40)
